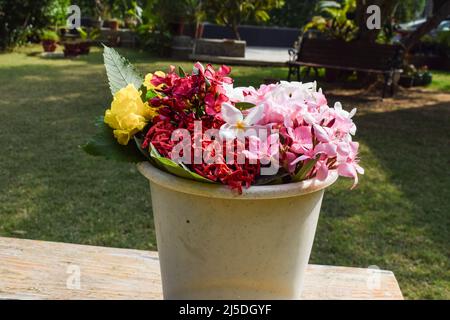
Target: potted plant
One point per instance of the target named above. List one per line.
(88, 36)
(82, 45)
(130, 22)
(413, 76)
(49, 40)
(237, 175)
(113, 24)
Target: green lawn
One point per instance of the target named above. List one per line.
(441, 81)
(398, 218)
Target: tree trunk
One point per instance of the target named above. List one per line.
(441, 9)
(235, 28)
(387, 8)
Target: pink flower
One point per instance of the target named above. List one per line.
(263, 150)
(322, 169)
(322, 134)
(301, 139)
(347, 162)
(310, 130)
(329, 149)
(342, 120)
(288, 161)
(320, 98)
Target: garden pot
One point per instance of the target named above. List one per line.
(114, 40)
(114, 25)
(111, 24)
(71, 49)
(49, 45)
(216, 244)
(84, 47)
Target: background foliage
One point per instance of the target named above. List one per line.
(20, 19)
(157, 20)
(232, 13)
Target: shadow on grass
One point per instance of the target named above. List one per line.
(413, 147)
(50, 189)
(398, 218)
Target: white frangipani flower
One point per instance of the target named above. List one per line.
(237, 94)
(236, 124)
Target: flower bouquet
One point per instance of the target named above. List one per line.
(237, 174)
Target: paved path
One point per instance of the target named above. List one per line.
(254, 56)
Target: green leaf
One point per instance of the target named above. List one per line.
(150, 94)
(244, 105)
(105, 145)
(262, 15)
(120, 71)
(207, 82)
(83, 34)
(273, 179)
(181, 72)
(174, 168)
(305, 169)
(138, 141)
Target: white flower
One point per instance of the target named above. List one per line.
(236, 125)
(342, 112)
(237, 94)
(344, 118)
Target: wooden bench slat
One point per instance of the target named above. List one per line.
(31, 269)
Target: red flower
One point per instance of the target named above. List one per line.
(185, 99)
(219, 76)
(213, 102)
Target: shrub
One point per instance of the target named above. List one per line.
(49, 35)
(20, 19)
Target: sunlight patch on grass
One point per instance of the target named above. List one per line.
(441, 80)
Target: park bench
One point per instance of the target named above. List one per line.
(347, 56)
(32, 269)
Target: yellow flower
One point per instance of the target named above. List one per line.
(148, 79)
(128, 114)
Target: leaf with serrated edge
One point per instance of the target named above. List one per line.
(120, 71)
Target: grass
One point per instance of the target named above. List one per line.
(440, 81)
(397, 219)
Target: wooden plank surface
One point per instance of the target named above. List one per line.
(32, 269)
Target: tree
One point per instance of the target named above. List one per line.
(18, 19)
(294, 13)
(409, 10)
(232, 13)
(441, 10)
(336, 22)
(387, 8)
